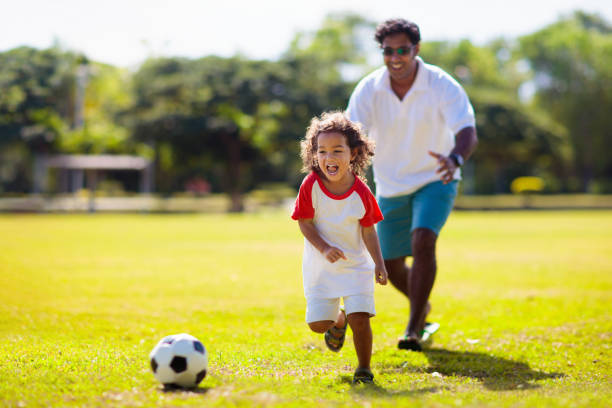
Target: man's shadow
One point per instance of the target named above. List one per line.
(495, 373)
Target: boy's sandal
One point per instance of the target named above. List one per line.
(363, 376)
(334, 337)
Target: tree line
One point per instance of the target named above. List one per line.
(542, 103)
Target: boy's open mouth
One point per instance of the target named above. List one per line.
(332, 169)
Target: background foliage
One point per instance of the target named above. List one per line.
(542, 103)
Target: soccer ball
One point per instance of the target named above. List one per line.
(179, 360)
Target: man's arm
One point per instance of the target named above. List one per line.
(465, 144)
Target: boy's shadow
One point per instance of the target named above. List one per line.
(495, 373)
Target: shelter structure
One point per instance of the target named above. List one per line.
(79, 171)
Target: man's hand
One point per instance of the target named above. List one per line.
(332, 254)
(381, 275)
(447, 167)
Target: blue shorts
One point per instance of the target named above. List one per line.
(427, 207)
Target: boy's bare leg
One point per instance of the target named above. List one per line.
(340, 320)
(324, 325)
(321, 326)
(362, 337)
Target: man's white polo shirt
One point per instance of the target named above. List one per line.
(435, 109)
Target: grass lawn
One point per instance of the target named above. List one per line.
(524, 300)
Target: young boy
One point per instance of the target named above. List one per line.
(336, 213)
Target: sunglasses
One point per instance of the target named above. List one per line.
(401, 51)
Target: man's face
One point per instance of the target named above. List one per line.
(399, 55)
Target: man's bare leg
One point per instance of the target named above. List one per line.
(399, 274)
(421, 278)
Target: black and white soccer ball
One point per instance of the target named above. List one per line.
(179, 360)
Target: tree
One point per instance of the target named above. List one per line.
(235, 121)
(572, 62)
(323, 67)
(470, 64)
(516, 141)
(36, 106)
(216, 115)
(105, 93)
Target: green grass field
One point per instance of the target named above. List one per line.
(524, 299)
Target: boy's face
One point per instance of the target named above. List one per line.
(399, 55)
(334, 156)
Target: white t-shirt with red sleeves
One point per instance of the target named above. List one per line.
(338, 219)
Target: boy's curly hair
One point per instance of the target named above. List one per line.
(336, 121)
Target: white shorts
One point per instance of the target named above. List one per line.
(320, 309)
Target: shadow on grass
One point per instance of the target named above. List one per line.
(375, 389)
(172, 389)
(495, 373)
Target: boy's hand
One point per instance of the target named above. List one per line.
(332, 254)
(381, 275)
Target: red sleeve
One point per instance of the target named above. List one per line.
(372, 211)
(303, 203)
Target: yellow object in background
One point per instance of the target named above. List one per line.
(526, 185)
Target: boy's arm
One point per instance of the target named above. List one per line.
(370, 238)
(332, 254)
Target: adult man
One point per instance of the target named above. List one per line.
(423, 124)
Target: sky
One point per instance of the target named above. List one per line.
(126, 32)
